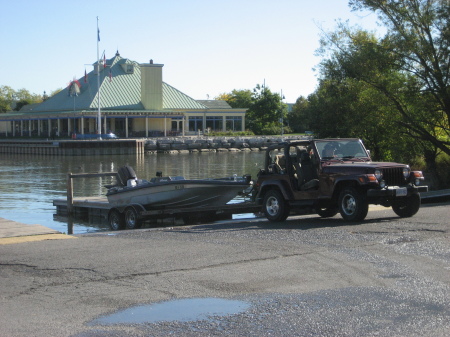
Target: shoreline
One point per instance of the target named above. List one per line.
(171, 145)
(213, 144)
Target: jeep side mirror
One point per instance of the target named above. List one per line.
(368, 152)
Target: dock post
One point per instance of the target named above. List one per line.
(69, 194)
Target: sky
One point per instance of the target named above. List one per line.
(208, 47)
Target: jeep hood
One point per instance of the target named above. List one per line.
(357, 165)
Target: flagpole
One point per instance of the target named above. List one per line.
(99, 115)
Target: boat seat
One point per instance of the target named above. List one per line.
(126, 176)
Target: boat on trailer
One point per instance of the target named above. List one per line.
(130, 195)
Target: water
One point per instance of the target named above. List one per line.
(30, 183)
(183, 310)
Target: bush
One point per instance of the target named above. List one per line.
(275, 130)
(231, 133)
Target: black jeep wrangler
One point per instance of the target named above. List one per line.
(329, 176)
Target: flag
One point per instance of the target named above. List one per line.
(104, 61)
(85, 76)
(98, 34)
(110, 74)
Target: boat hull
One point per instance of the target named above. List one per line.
(177, 194)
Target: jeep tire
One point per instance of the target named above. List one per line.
(407, 206)
(275, 207)
(353, 204)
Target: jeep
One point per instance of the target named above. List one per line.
(327, 176)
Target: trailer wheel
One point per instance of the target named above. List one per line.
(115, 220)
(132, 220)
(275, 207)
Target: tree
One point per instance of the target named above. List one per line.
(265, 111)
(410, 66)
(11, 99)
(6, 98)
(299, 118)
(237, 98)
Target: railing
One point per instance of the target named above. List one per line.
(71, 176)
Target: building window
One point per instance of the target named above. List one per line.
(234, 123)
(214, 123)
(195, 123)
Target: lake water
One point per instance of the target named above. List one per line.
(30, 183)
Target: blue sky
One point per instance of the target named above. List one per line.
(207, 47)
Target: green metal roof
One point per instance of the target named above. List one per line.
(122, 91)
(175, 99)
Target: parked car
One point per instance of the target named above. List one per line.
(331, 176)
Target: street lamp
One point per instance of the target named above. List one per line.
(281, 110)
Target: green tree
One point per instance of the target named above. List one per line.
(346, 107)
(237, 98)
(6, 98)
(410, 65)
(265, 109)
(265, 112)
(299, 118)
(11, 99)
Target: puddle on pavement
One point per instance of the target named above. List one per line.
(183, 310)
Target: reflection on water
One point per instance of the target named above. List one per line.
(30, 183)
(183, 310)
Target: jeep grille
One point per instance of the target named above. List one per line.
(393, 176)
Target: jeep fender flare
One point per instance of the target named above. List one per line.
(274, 184)
(343, 182)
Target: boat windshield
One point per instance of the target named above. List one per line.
(341, 149)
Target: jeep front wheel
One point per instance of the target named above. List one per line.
(353, 204)
(407, 206)
(275, 207)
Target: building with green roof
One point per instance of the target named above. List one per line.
(134, 102)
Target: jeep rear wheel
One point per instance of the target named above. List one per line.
(407, 206)
(353, 204)
(275, 207)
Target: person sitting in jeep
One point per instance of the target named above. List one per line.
(328, 151)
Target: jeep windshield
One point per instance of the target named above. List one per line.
(341, 149)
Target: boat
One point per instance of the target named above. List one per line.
(173, 191)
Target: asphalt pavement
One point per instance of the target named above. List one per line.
(307, 276)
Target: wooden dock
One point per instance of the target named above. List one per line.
(87, 208)
(91, 147)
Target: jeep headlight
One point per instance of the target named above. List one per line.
(378, 174)
(406, 172)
